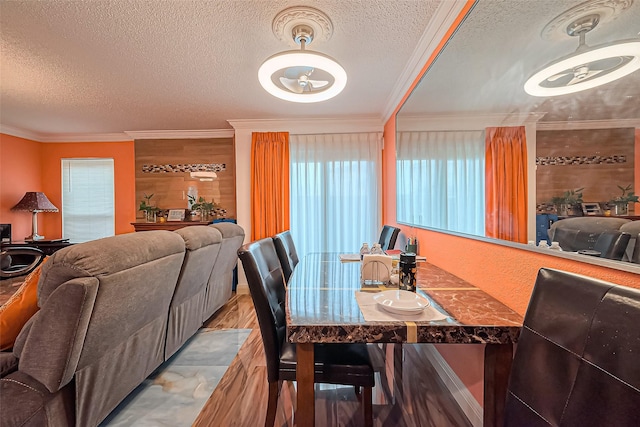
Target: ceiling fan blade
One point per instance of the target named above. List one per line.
(590, 74)
(291, 84)
(557, 76)
(296, 72)
(317, 84)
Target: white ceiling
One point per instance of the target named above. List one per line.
(113, 66)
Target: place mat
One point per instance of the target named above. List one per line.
(372, 312)
(349, 257)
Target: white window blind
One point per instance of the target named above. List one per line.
(87, 199)
(335, 191)
(440, 180)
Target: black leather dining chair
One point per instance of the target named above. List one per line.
(612, 244)
(348, 364)
(576, 363)
(286, 253)
(18, 261)
(566, 237)
(635, 257)
(388, 237)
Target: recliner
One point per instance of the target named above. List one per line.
(334, 363)
(576, 363)
(388, 237)
(286, 253)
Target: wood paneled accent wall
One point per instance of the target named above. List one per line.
(599, 176)
(170, 189)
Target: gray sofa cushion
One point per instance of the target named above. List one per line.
(591, 225)
(187, 306)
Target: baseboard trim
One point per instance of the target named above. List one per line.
(460, 393)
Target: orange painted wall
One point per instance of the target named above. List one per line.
(508, 274)
(20, 171)
(124, 174)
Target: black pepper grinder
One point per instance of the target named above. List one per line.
(407, 279)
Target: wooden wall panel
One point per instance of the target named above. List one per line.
(170, 189)
(599, 180)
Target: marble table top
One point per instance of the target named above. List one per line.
(321, 307)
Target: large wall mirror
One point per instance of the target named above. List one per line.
(588, 140)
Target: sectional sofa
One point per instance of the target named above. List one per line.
(112, 311)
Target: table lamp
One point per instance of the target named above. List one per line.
(34, 201)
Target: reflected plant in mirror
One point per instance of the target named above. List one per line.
(476, 154)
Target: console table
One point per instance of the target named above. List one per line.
(46, 246)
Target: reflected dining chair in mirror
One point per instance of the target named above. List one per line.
(286, 253)
(576, 363)
(388, 237)
(18, 261)
(635, 257)
(347, 364)
(612, 244)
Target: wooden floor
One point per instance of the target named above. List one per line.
(411, 396)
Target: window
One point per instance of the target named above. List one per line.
(87, 199)
(335, 191)
(440, 180)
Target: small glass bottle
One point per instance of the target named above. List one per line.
(407, 277)
(364, 250)
(555, 246)
(543, 244)
(377, 249)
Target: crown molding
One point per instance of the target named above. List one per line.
(464, 121)
(442, 20)
(63, 137)
(590, 124)
(310, 126)
(181, 134)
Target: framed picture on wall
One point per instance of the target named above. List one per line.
(591, 209)
(175, 215)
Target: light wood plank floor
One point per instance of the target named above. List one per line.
(413, 396)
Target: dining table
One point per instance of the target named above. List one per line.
(323, 306)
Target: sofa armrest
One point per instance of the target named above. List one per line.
(8, 363)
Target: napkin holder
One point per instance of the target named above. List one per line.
(375, 270)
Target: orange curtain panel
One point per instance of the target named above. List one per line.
(269, 184)
(506, 183)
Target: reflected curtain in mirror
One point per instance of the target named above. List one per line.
(269, 184)
(506, 183)
(440, 180)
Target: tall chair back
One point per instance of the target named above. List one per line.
(635, 258)
(388, 237)
(577, 358)
(612, 244)
(266, 284)
(287, 253)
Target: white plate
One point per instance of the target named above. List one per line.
(401, 302)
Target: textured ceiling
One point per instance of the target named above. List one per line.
(499, 46)
(114, 65)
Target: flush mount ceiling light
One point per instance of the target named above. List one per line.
(301, 75)
(587, 67)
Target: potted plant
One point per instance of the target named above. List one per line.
(621, 202)
(201, 205)
(569, 202)
(149, 210)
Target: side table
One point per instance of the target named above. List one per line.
(46, 246)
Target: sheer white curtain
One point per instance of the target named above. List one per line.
(88, 207)
(335, 191)
(440, 180)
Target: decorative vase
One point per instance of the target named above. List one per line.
(621, 209)
(150, 215)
